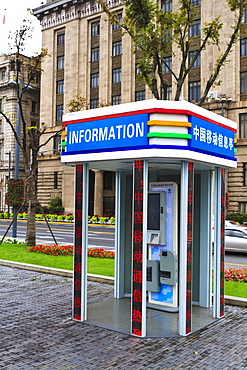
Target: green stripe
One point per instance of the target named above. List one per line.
(235, 150)
(169, 135)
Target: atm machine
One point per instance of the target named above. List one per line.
(162, 240)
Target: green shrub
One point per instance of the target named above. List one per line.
(238, 217)
(25, 215)
(6, 215)
(112, 220)
(61, 218)
(39, 216)
(1, 215)
(69, 217)
(54, 217)
(20, 215)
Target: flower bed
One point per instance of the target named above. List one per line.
(100, 252)
(239, 275)
(56, 250)
(53, 250)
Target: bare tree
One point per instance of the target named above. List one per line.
(29, 139)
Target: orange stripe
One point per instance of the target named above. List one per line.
(169, 123)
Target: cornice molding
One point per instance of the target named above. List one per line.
(59, 12)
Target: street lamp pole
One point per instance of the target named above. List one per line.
(9, 166)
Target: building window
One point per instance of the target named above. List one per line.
(195, 28)
(95, 79)
(243, 126)
(167, 65)
(140, 95)
(197, 62)
(61, 39)
(95, 54)
(95, 28)
(138, 69)
(34, 107)
(57, 144)
(194, 91)
(242, 207)
(1, 151)
(116, 26)
(59, 112)
(166, 6)
(243, 47)
(1, 104)
(116, 75)
(245, 173)
(244, 20)
(60, 87)
(116, 48)
(243, 82)
(116, 99)
(55, 180)
(195, 2)
(94, 103)
(3, 74)
(107, 180)
(1, 126)
(60, 62)
(169, 93)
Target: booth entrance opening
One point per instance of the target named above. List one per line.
(169, 187)
(162, 254)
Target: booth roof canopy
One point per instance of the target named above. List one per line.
(149, 128)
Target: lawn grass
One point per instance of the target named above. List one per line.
(98, 266)
(19, 253)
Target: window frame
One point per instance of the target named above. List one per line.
(60, 39)
(95, 54)
(94, 103)
(116, 99)
(195, 28)
(166, 6)
(117, 48)
(243, 47)
(60, 60)
(116, 75)
(243, 82)
(94, 80)
(194, 90)
(95, 28)
(140, 95)
(243, 126)
(59, 112)
(168, 61)
(60, 87)
(197, 62)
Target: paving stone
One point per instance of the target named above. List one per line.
(37, 333)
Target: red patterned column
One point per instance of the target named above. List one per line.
(189, 247)
(137, 277)
(222, 242)
(77, 294)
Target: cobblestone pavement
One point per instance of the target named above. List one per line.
(36, 332)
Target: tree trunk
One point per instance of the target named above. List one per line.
(31, 196)
(31, 225)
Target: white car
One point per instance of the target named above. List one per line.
(236, 239)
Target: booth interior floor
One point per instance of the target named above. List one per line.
(114, 314)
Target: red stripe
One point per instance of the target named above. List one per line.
(151, 110)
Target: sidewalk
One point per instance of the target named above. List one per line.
(37, 332)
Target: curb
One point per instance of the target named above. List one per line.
(53, 271)
(234, 301)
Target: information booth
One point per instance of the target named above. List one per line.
(170, 160)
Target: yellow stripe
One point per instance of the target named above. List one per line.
(169, 123)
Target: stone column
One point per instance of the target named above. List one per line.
(98, 192)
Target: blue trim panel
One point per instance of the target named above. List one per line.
(172, 147)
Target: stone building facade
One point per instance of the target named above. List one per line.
(8, 105)
(90, 57)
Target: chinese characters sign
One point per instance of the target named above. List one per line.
(211, 137)
(137, 278)
(78, 243)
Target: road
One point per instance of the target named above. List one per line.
(99, 236)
